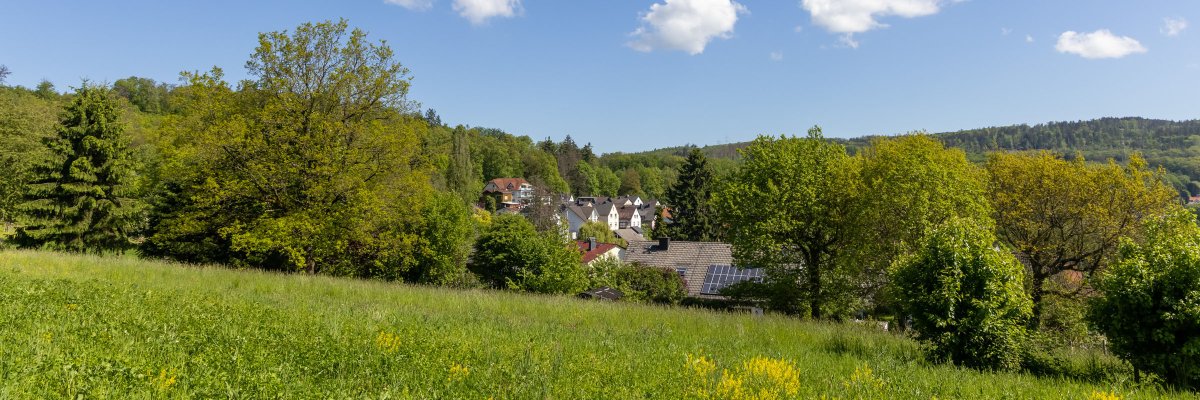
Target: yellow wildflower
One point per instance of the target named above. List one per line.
(1103, 396)
(388, 342)
(164, 380)
(701, 365)
(458, 372)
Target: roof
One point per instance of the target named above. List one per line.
(691, 259)
(583, 212)
(602, 211)
(602, 293)
(630, 234)
(590, 255)
(508, 184)
(626, 212)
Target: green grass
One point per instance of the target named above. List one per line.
(121, 327)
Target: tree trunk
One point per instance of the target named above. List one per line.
(1035, 294)
(814, 287)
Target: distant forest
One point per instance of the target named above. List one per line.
(1174, 145)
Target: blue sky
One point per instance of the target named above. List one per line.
(634, 75)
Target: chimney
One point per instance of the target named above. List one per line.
(664, 243)
(591, 243)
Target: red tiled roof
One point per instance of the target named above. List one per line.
(600, 249)
(504, 183)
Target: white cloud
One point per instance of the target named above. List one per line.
(1005, 31)
(776, 56)
(419, 5)
(479, 11)
(1028, 38)
(1173, 26)
(686, 25)
(857, 16)
(1098, 44)
(848, 41)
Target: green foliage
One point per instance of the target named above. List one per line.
(965, 297)
(311, 167)
(444, 240)
(1150, 308)
(600, 231)
(910, 184)
(511, 253)
(460, 175)
(642, 283)
(690, 198)
(77, 199)
(1068, 215)
(631, 184)
(145, 94)
(25, 121)
(790, 209)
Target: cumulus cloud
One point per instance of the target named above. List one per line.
(686, 25)
(1028, 38)
(849, 17)
(480, 11)
(1098, 44)
(1005, 31)
(419, 5)
(1173, 26)
(776, 56)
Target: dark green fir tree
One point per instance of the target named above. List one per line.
(76, 200)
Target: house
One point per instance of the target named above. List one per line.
(509, 190)
(625, 214)
(706, 267)
(577, 215)
(593, 251)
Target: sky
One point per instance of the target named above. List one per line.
(633, 75)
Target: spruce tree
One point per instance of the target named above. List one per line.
(689, 198)
(75, 200)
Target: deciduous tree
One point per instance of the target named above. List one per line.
(790, 207)
(1068, 216)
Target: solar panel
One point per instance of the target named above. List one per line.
(721, 276)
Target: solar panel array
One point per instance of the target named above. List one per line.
(720, 276)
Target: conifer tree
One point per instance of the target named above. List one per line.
(689, 200)
(76, 199)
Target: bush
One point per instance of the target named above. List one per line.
(639, 283)
(1150, 309)
(644, 283)
(965, 297)
(512, 254)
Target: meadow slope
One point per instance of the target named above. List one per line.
(121, 327)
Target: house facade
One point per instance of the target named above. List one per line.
(509, 190)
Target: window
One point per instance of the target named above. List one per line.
(721, 276)
(682, 272)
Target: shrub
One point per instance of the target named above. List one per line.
(965, 297)
(1150, 309)
(512, 254)
(644, 283)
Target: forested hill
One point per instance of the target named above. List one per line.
(1175, 145)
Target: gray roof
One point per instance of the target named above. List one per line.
(630, 235)
(693, 257)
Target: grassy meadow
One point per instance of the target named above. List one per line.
(118, 327)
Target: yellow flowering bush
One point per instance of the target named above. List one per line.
(760, 378)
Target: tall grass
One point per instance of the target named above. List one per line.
(121, 327)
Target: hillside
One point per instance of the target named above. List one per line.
(1175, 145)
(83, 326)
